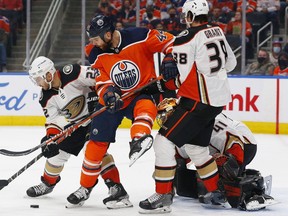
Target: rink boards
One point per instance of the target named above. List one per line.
(259, 101)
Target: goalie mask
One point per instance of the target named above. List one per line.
(39, 69)
(165, 108)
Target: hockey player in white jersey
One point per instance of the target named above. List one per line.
(67, 96)
(233, 146)
(203, 58)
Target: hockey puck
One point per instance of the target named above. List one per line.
(34, 206)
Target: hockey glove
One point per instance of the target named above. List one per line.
(51, 149)
(169, 68)
(227, 166)
(112, 99)
(92, 101)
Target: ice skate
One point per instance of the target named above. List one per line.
(118, 196)
(215, 199)
(138, 147)
(157, 203)
(258, 202)
(78, 198)
(41, 189)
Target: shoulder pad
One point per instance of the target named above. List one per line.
(69, 73)
(46, 95)
(67, 69)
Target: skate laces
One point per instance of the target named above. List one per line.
(114, 190)
(82, 192)
(117, 192)
(41, 188)
(155, 197)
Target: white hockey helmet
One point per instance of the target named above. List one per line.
(196, 7)
(39, 68)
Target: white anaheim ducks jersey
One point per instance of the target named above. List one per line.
(69, 102)
(203, 58)
(230, 136)
(243, 129)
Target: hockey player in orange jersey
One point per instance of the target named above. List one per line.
(124, 60)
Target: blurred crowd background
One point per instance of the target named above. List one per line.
(269, 58)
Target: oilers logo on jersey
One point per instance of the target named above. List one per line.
(125, 74)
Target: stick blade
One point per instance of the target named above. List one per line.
(3, 183)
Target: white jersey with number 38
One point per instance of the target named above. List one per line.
(203, 58)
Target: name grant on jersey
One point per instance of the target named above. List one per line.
(213, 32)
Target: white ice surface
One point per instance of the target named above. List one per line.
(271, 158)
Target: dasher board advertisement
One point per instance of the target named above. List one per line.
(259, 101)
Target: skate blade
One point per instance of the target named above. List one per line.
(162, 210)
(255, 206)
(225, 205)
(124, 203)
(145, 145)
(70, 205)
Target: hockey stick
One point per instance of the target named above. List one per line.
(4, 183)
(70, 130)
(19, 153)
(65, 133)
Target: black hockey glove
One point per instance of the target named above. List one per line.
(112, 99)
(227, 166)
(51, 149)
(92, 101)
(169, 68)
(157, 87)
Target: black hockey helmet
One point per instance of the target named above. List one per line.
(99, 25)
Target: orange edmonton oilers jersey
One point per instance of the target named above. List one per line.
(132, 65)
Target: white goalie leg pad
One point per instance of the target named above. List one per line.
(164, 151)
(198, 154)
(59, 159)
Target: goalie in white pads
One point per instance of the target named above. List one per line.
(67, 96)
(233, 146)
